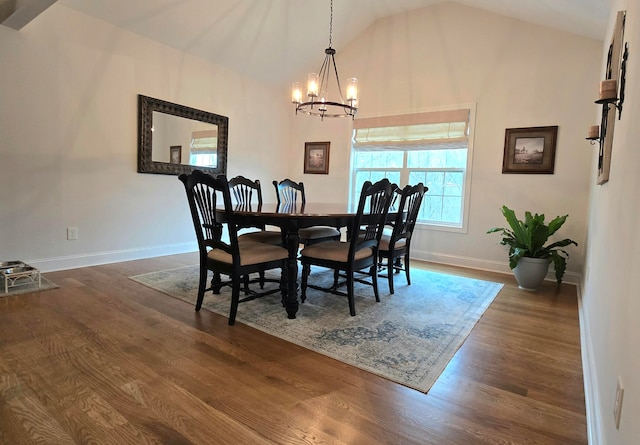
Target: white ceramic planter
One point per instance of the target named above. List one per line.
(530, 272)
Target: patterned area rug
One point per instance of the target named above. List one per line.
(408, 337)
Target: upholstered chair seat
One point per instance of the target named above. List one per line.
(250, 253)
(262, 236)
(386, 240)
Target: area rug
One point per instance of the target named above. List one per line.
(409, 337)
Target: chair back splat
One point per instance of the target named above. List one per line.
(290, 194)
(360, 252)
(243, 192)
(205, 194)
(395, 248)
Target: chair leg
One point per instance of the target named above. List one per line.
(306, 270)
(216, 283)
(407, 268)
(398, 265)
(390, 270)
(374, 281)
(350, 296)
(235, 298)
(202, 286)
(336, 276)
(246, 284)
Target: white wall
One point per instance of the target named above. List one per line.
(68, 145)
(518, 74)
(610, 298)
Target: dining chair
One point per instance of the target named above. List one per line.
(357, 253)
(243, 192)
(395, 246)
(233, 258)
(291, 193)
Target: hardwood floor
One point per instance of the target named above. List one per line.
(106, 360)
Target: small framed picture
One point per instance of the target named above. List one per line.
(175, 154)
(530, 150)
(316, 157)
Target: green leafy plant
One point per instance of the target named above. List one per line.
(528, 238)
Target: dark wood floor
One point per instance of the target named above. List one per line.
(105, 360)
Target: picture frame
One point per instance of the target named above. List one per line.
(175, 154)
(530, 150)
(316, 157)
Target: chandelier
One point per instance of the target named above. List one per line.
(317, 87)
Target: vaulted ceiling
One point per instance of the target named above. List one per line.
(274, 40)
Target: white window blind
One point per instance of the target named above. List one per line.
(204, 142)
(430, 130)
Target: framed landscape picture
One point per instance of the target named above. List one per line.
(316, 157)
(530, 150)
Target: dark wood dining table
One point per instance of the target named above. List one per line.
(290, 219)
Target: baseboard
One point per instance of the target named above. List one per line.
(116, 256)
(591, 393)
(480, 264)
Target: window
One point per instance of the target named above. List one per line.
(432, 148)
(204, 148)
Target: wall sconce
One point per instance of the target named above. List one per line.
(594, 134)
(609, 87)
(609, 96)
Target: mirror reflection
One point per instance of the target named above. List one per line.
(178, 140)
(175, 139)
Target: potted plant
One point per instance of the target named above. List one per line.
(529, 256)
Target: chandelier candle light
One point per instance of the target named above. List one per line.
(317, 87)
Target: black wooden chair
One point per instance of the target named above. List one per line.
(359, 252)
(395, 246)
(246, 193)
(233, 258)
(291, 193)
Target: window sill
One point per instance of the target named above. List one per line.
(440, 228)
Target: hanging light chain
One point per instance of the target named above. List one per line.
(331, 24)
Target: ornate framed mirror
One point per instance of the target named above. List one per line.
(175, 139)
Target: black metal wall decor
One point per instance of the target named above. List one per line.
(611, 93)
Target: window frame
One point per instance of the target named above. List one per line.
(405, 171)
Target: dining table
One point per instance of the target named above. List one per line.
(290, 218)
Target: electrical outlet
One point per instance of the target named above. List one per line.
(72, 233)
(617, 406)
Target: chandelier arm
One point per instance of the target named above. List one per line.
(335, 69)
(324, 77)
